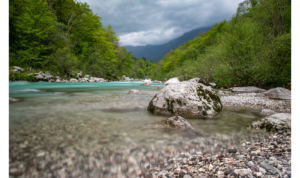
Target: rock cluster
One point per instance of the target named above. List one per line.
(18, 69)
(44, 76)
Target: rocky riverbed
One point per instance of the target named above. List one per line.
(254, 154)
(83, 149)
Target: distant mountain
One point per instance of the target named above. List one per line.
(157, 52)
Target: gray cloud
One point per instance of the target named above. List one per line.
(142, 22)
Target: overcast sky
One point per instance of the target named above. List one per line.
(142, 22)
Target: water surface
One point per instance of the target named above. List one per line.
(93, 114)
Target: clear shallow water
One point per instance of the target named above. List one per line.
(90, 114)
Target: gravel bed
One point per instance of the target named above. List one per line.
(254, 154)
(251, 100)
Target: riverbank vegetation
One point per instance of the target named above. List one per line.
(253, 48)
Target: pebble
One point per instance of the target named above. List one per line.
(242, 172)
(41, 154)
(232, 150)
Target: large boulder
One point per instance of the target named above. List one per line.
(250, 89)
(172, 81)
(278, 93)
(279, 121)
(186, 99)
(18, 69)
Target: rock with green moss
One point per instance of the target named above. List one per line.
(279, 121)
(188, 99)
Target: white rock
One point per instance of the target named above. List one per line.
(262, 170)
(220, 174)
(172, 81)
(41, 154)
(73, 80)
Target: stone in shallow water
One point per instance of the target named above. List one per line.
(178, 123)
(134, 91)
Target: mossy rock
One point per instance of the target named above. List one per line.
(188, 99)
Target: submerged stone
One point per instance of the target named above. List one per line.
(178, 123)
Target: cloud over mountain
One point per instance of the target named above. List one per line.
(142, 22)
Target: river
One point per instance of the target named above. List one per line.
(54, 117)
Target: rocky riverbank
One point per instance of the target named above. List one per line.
(251, 100)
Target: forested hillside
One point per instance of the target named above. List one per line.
(64, 36)
(253, 48)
